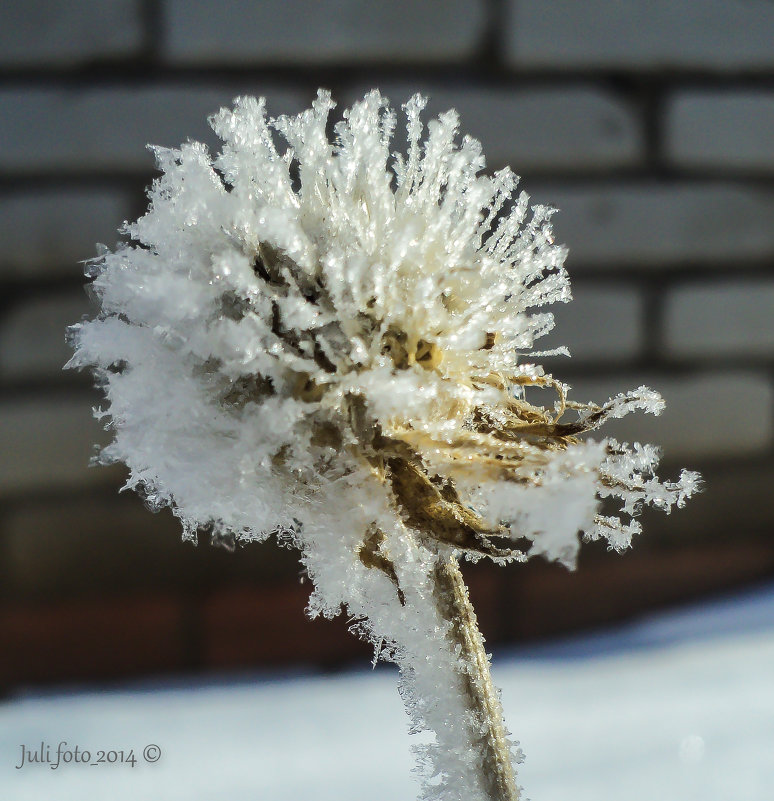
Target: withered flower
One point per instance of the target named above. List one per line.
(335, 345)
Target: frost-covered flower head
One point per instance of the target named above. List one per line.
(325, 341)
(288, 323)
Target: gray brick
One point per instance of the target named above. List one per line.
(568, 128)
(307, 31)
(108, 129)
(713, 414)
(657, 34)
(721, 319)
(600, 324)
(43, 232)
(660, 226)
(721, 131)
(65, 33)
(32, 336)
(48, 443)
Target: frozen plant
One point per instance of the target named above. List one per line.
(331, 343)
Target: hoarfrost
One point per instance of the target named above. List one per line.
(334, 344)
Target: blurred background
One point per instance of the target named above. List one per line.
(649, 125)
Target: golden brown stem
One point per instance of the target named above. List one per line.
(498, 776)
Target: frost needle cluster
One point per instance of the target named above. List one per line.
(335, 343)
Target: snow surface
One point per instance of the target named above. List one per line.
(677, 708)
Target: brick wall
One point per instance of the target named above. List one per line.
(650, 125)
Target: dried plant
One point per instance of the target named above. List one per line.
(337, 346)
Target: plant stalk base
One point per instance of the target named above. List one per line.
(498, 777)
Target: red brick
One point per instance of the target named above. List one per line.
(267, 626)
(91, 640)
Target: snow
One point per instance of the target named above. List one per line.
(679, 707)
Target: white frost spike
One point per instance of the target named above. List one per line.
(328, 343)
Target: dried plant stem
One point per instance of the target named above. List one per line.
(488, 733)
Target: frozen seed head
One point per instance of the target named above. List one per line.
(322, 331)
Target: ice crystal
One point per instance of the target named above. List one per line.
(333, 343)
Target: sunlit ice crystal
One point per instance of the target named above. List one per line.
(329, 342)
